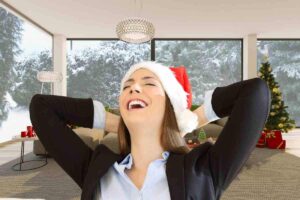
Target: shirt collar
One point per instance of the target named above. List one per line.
(127, 161)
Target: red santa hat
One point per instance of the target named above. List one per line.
(177, 86)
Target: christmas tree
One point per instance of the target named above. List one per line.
(278, 118)
(201, 135)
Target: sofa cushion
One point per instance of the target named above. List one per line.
(212, 130)
(91, 137)
(222, 121)
(111, 141)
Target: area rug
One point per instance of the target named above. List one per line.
(49, 182)
(267, 175)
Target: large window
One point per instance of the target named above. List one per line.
(95, 68)
(284, 57)
(24, 50)
(210, 63)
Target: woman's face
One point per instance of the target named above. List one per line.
(143, 86)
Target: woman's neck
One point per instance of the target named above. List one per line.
(145, 147)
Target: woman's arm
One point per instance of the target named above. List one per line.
(112, 122)
(202, 120)
(205, 112)
(247, 103)
(103, 119)
(50, 116)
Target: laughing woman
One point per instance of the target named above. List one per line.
(154, 161)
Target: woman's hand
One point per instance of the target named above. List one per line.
(202, 120)
(111, 122)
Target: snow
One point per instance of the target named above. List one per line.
(10, 100)
(292, 70)
(17, 121)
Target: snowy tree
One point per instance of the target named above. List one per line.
(285, 58)
(97, 73)
(210, 63)
(10, 35)
(25, 81)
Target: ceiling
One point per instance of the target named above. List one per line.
(171, 18)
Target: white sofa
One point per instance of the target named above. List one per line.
(93, 137)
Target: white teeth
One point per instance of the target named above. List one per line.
(136, 102)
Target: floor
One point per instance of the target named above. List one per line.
(292, 142)
(11, 151)
(249, 183)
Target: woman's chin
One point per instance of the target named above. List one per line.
(136, 111)
(136, 122)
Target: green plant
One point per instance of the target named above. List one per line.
(201, 134)
(194, 107)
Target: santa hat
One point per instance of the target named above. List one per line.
(177, 86)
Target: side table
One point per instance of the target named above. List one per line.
(42, 162)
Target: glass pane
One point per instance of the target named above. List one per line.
(95, 67)
(284, 57)
(209, 63)
(24, 50)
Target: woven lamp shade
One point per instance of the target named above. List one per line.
(135, 30)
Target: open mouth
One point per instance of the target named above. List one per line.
(136, 104)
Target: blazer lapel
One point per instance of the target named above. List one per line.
(102, 160)
(175, 176)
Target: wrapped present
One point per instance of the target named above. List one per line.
(262, 140)
(277, 145)
(274, 140)
(271, 139)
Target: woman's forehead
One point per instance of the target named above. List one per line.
(140, 73)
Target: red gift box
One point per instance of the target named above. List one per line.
(271, 139)
(274, 140)
(262, 140)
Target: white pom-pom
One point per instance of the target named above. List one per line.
(187, 121)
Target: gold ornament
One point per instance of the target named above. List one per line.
(273, 106)
(275, 90)
(272, 113)
(283, 118)
(280, 125)
(269, 69)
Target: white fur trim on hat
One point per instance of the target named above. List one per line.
(187, 120)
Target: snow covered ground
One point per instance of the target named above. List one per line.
(17, 121)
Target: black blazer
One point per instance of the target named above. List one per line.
(202, 174)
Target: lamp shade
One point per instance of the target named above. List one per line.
(135, 30)
(49, 76)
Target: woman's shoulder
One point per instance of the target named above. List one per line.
(106, 152)
(199, 151)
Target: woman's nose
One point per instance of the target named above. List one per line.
(135, 87)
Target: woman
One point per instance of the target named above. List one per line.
(154, 162)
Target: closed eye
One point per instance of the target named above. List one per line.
(145, 84)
